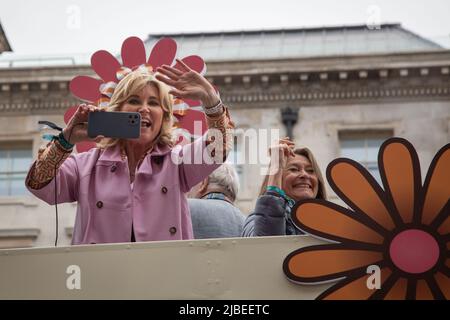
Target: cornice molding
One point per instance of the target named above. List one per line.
(361, 95)
(427, 78)
(260, 99)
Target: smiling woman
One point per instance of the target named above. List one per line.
(293, 176)
(143, 93)
(132, 190)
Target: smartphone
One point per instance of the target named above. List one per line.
(123, 125)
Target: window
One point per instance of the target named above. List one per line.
(363, 146)
(18, 238)
(15, 160)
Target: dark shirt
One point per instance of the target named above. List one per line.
(271, 217)
(215, 217)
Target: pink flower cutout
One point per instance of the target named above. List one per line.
(110, 71)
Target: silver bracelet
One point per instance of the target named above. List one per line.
(214, 110)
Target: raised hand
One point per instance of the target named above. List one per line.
(188, 84)
(279, 154)
(76, 129)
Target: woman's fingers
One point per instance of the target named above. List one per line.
(97, 139)
(286, 149)
(82, 108)
(177, 93)
(80, 114)
(290, 145)
(169, 73)
(183, 66)
(93, 108)
(291, 152)
(287, 141)
(281, 149)
(166, 80)
(179, 73)
(280, 145)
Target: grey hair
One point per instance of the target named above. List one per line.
(225, 178)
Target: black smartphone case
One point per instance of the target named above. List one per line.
(124, 125)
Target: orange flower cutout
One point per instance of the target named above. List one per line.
(404, 229)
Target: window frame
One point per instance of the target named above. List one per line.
(366, 135)
(8, 146)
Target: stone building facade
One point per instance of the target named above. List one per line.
(340, 91)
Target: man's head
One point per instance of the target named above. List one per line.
(223, 180)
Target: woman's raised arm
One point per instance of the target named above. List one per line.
(189, 84)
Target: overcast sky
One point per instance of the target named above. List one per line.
(84, 26)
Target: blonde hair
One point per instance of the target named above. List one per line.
(132, 84)
(322, 192)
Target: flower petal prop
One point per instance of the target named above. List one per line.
(111, 71)
(105, 65)
(402, 228)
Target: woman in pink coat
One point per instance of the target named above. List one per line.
(134, 190)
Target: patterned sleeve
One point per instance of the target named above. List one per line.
(43, 170)
(220, 128)
(214, 144)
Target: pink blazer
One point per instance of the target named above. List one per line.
(108, 206)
